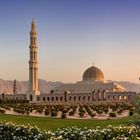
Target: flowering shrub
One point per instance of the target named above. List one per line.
(10, 131)
(109, 133)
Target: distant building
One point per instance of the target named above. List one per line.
(91, 88)
(93, 79)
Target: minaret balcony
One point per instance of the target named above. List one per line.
(33, 61)
(33, 46)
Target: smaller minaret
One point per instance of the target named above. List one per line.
(15, 87)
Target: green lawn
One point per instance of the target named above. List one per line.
(53, 124)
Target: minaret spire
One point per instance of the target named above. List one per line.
(33, 26)
(33, 62)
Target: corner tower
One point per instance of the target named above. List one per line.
(33, 64)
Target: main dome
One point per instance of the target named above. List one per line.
(93, 74)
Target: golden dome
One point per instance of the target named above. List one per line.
(93, 74)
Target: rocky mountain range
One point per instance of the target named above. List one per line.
(6, 86)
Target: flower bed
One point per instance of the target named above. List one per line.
(109, 133)
(10, 131)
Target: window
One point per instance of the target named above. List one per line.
(56, 98)
(84, 98)
(120, 97)
(124, 98)
(30, 98)
(61, 98)
(52, 98)
(34, 55)
(88, 98)
(44, 98)
(79, 98)
(109, 97)
(38, 99)
(114, 97)
(34, 40)
(129, 97)
(48, 98)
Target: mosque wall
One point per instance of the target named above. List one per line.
(13, 97)
(121, 96)
(96, 95)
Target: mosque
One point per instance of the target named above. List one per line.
(92, 87)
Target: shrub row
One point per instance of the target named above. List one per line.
(10, 131)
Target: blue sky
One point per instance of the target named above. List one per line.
(71, 35)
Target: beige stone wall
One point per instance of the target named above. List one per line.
(121, 96)
(97, 95)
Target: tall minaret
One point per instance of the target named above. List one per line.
(33, 62)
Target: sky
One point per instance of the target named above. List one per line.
(72, 34)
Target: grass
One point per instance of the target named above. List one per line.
(53, 123)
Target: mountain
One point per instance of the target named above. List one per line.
(6, 86)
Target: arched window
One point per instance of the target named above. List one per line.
(61, 98)
(74, 98)
(88, 98)
(84, 98)
(124, 98)
(70, 98)
(34, 40)
(79, 98)
(38, 98)
(120, 97)
(52, 98)
(48, 98)
(114, 97)
(44, 98)
(30, 98)
(34, 55)
(109, 97)
(56, 98)
(129, 97)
